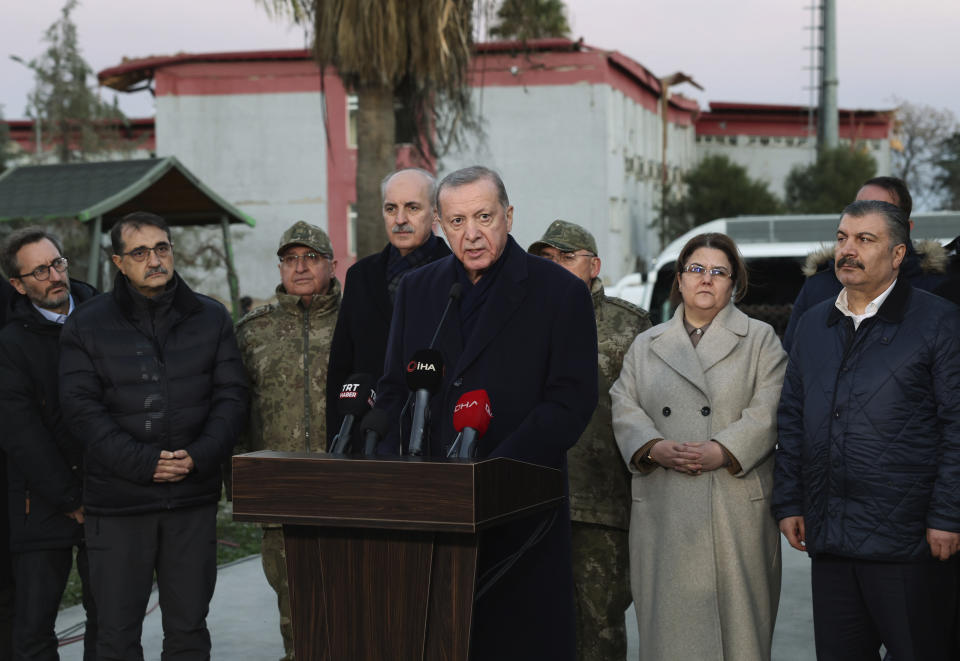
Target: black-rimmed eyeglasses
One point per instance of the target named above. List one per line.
(42, 273)
(161, 250)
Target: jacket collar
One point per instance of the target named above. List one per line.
(893, 310)
(184, 302)
(318, 304)
(672, 344)
(506, 295)
(596, 293)
(23, 310)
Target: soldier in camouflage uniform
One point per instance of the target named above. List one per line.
(285, 346)
(599, 481)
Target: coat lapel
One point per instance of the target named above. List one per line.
(675, 349)
(722, 337)
(504, 299)
(375, 285)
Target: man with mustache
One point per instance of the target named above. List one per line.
(923, 265)
(44, 457)
(360, 338)
(868, 461)
(152, 381)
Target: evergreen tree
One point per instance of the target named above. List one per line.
(523, 20)
(66, 109)
(716, 188)
(948, 175)
(831, 183)
(4, 142)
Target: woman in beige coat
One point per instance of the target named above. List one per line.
(694, 413)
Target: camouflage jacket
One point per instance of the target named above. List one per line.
(285, 346)
(599, 480)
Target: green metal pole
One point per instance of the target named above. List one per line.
(231, 271)
(93, 265)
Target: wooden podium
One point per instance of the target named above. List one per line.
(382, 553)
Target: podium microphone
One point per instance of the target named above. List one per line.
(424, 376)
(373, 428)
(454, 294)
(471, 417)
(357, 396)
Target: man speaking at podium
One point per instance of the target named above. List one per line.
(523, 330)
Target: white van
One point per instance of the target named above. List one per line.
(774, 248)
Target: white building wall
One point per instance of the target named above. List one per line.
(635, 151)
(264, 153)
(585, 153)
(546, 142)
(770, 159)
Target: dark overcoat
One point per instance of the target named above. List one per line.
(360, 338)
(44, 468)
(534, 350)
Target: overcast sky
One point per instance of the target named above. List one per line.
(747, 51)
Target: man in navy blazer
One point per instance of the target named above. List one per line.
(522, 330)
(360, 337)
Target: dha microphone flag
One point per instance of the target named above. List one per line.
(357, 396)
(424, 376)
(472, 416)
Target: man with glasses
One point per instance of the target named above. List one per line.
(285, 346)
(44, 457)
(599, 480)
(152, 382)
(360, 340)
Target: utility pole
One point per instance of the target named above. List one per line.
(827, 120)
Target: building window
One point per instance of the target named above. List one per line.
(352, 230)
(353, 106)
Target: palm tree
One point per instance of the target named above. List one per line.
(524, 20)
(415, 52)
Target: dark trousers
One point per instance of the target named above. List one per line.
(7, 606)
(41, 577)
(181, 547)
(909, 607)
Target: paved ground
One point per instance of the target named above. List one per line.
(243, 619)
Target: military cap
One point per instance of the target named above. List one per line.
(311, 236)
(565, 237)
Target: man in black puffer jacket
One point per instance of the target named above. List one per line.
(44, 458)
(151, 379)
(867, 468)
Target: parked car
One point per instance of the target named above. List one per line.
(775, 249)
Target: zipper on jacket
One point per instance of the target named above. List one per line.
(306, 379)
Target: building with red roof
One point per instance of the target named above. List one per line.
(575, 131)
